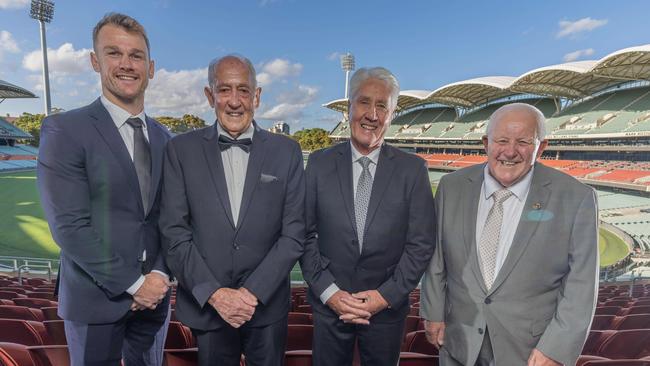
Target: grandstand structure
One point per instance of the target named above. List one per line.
(597, 124)
(14, 156)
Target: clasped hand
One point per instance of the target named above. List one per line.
(152, 292)
(357, 308)
(235, 306)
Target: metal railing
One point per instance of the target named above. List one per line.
(24, 265)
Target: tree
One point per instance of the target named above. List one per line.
(31, 123)
(312, 139)
(179, 125)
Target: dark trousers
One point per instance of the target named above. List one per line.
(379, 343)
(485, 355)
(262, 346)
(136, 338)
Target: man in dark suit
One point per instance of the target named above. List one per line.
(232, 217)
(370, 231)
(99, 170)
(514, 277)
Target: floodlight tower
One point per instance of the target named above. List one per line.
(347, 64)
(43, 11)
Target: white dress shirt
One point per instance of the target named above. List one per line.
(119, 117)
(512, 209)
(357, 169)
(235, 165)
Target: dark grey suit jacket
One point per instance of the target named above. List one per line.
(545, 293)
(399, 229)
(91, 198)
(206, 250)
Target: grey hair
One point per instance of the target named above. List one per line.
(215, 62)
(539, 117)
(378, 73)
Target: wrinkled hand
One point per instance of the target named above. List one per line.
(369, 301)
(435, 332)
(340, 303)
(152, 292)
(537, 358)
(236, 307)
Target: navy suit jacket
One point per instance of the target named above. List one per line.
(206, 250)
(90, 194)
(399, 230)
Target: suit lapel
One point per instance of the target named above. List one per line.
(104, 124)
(383, 174)
(253, 171)
(157, 145)
(344, 172)
(473, 186)
(215, 165)
(539, 194)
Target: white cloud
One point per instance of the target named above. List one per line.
(277, 69)
(333, 56)
(304, 94)
(177, 93)
(63, 61)
(13, 4)
(571, 28)
(572, 56)
(291, 104)
(8, 43)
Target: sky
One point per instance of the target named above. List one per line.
(295, 46)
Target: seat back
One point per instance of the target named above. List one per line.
(50, 355)
(14, 354)
(178, 336)
(20, 312)
(56, 332)
(626, 344)
(297, 358)
(595, 340)
(417, 342)
(417, 359)
(181, 357)
(300, 318)
(633, 321)
(35, 302)
(27, 332)
(299, 337)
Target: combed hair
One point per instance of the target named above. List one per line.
(379, 73)
(539, 117)
(123, 21)
(212, 68)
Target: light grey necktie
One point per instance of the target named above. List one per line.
(489, 243)
(362, 198)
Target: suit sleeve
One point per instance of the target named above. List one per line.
(280, 259)
(565, 335)
(183, 259)
(434, 283)
(315, 273)
(419, 244)
(65, 195)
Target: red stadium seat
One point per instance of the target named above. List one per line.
(27, 332)
(50, 355)
(10, 295)
(303, 309)
(638, 309)
(56, 332)
(300, 318)
(7, 302)
(607, 310)
(299, 337)
(626, 344)
(595, 339)
(417, 342)
(634, 321)
(410, 325)
(297, 358)
(42, 295)
(18, 290)
(14, 354)
(50, 313)
(620, 303)
(602, 322)
(20, 312)
(618, 363)
(417, 359)
(181, 357)
(35, 302)
(178, 336)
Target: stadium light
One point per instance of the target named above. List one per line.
(347, 64)
(43, 11)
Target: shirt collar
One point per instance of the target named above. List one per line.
(119, 115)
(373, 156)
(519, 189)
(247, 134)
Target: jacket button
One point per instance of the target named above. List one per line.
(488, 300)
(480, 330)
(235, 245)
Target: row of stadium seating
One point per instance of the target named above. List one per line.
(6, 165)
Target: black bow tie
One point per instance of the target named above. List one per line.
(226, 143)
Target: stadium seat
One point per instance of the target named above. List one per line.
(417, 342)
(638, 309)
(18, 290)
(35, 302)
(56, 332)
(602, 322)
(300, 318)
(583, 359)
(410, 325)
(27, 332)
(626, 344)
(417, 359)
(50, 313)
(178, 336)
(20, 312)
(595, 339)
(10, 295)
(50, 355)
(607, 310)
(633, 321)
(303, 309)
(619, 303)
(618, 363)
(297, 358)
(42, 295)
(14, 354)
(299, 337)
(181, 357)
(7, 302)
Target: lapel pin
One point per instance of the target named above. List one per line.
(537, 205)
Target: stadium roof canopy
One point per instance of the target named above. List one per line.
(571, 80)
(472, 92)
(9, 131)
(8, 90)
(627, 64)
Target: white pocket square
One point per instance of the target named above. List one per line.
(266, 178)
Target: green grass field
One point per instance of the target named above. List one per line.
(24, 232)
